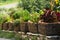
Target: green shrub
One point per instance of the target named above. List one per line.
(33, 5)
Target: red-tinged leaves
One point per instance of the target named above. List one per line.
(49, 16)
(58, 16)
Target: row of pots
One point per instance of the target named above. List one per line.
(42, 28)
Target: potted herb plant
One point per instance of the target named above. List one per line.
(6, 18)
(50, 21)
(24, 24)
(1, 21)
(17, 25)
(16, 16)
(33, 22)
(12, 13)
(11, 26)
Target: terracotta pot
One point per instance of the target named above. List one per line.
(24, 27)
(33, 27)
(5, 26)
(11, 27)
(49, 28)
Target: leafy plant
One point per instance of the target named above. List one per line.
(16, 15)
(4, 18)
(49, 16)
(26, 15)
(51, 13)
(7, 18)
(34, 17)
(58, 16)
(16, 22)
(41, 12)
(1, 19)
(32, 5)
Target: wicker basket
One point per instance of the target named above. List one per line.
(49, 28)
(5, 26)
(11, 27)
(0, 26)
(16, 28)
(33, 27)
(24, 27)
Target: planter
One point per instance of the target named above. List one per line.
(49, 28)
(0, 26)
(5, 26)
(33, 27)
(24, 27)
(11, 27)
(17, 28)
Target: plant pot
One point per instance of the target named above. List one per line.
(49, 28)
(33, 27)
(0, 26)
(5, 26)
(11, 27)
(16, 28)
(24, 27)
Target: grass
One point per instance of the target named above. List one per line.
(8, 2)
(14, 36)
(8, 35)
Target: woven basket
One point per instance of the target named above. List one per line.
(24, 27)
(49, 28)
(33, 27)
(0, 26)
(16, 28)
(5, 26)
(11, 27)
